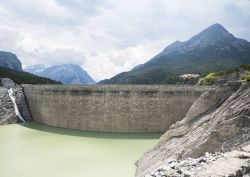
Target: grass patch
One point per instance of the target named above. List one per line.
(213, 78)
(246, 76)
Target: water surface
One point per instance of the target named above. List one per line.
(36, 150)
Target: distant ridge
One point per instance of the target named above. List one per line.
(211, 50)
(65, 73)
(20, 77)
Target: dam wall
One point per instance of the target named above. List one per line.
(111, 108)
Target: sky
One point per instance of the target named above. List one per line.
(107, 37)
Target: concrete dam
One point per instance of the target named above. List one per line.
(111, 108)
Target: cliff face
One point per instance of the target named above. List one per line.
(214, 123)
(7, 111)
(10, 60)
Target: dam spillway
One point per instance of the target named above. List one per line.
(111, 108)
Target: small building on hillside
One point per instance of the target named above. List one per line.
(189, 76)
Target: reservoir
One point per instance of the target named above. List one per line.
(37, 150)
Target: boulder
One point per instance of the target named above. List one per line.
(7, 82)
(234, 163)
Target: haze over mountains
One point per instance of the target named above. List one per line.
(11, 66)
(211, 50)
(65, 73)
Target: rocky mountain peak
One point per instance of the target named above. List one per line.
(212, 34)
(64, 73)
(211, 50)
(35, 69)
(216, 28)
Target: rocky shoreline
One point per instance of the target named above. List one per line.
(232, 164)
(216, 127)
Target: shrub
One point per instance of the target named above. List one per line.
(246, 76)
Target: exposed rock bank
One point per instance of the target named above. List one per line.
(7, 111)
(7, 82)
(214, 123)
(231, 164)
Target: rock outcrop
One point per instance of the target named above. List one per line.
(235, 163)
(10, 60)
(7, 111)
(214, 123)
(7, 82)
(22, 104)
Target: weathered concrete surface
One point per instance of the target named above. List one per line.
(111, 108)
(208, 127)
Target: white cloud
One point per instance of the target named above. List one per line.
(107, 37)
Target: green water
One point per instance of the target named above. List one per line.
(36, 150)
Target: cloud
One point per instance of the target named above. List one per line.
(8, 39)
(107, 37)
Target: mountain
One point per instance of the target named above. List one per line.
(11, 67)
(21, 77)
(10, 60)
(211, 50)
(35, 69)
(66, 73)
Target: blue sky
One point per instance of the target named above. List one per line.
(107, 37)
